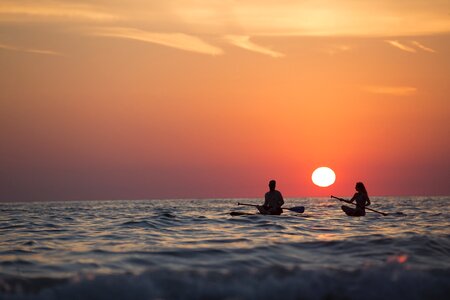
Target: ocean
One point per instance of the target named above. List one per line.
(194, 249)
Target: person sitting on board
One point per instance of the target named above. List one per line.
(273, 200)
(362, 200)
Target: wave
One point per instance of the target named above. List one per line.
(196, 250)
(391, 282)
(16, 262)
(143, 224)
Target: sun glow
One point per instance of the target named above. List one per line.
(323, 177)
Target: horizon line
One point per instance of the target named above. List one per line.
(206, 198)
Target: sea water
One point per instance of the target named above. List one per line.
(193, 249)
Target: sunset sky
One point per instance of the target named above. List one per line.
(142, 99)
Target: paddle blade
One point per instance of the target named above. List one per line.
(297, 209)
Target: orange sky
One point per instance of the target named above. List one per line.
(186, 99)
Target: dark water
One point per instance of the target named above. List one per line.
(193, 249)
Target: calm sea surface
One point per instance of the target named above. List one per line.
(193, 249)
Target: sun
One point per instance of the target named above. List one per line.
(323, 177)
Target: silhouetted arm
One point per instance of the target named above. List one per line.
(354, 197)
(266, 200)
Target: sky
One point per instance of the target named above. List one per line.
(211, 99)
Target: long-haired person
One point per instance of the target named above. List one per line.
(362, 200)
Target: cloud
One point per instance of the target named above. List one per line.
(30, 50)
(50, 11)
(174, 40)
(373, 18)
(237, 21)
(391, 90)
(333, 49)
(243, 41)
(424, 48)
(403, 47)
(361, 18)
(400, 46)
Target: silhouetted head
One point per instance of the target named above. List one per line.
(361, 188)
(272, 185)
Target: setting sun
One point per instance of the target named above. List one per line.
(323, 177)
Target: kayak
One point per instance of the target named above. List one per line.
(352, 212)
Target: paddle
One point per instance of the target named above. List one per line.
(297, 209)
(368, 208)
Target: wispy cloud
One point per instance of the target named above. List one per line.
(52, 10)
(373, 18)
(391, 90)
(424, 48)
(237, 21)
(174, 40)
(384, 18)
(243, 41)
(406, 48)
(334, 49)
(31, 50)
(401, 46)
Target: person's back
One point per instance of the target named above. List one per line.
(273, 199)
(360, 199)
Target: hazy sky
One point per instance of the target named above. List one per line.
(202, 98)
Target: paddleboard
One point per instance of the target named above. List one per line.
(238, 213)
(350, 211)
